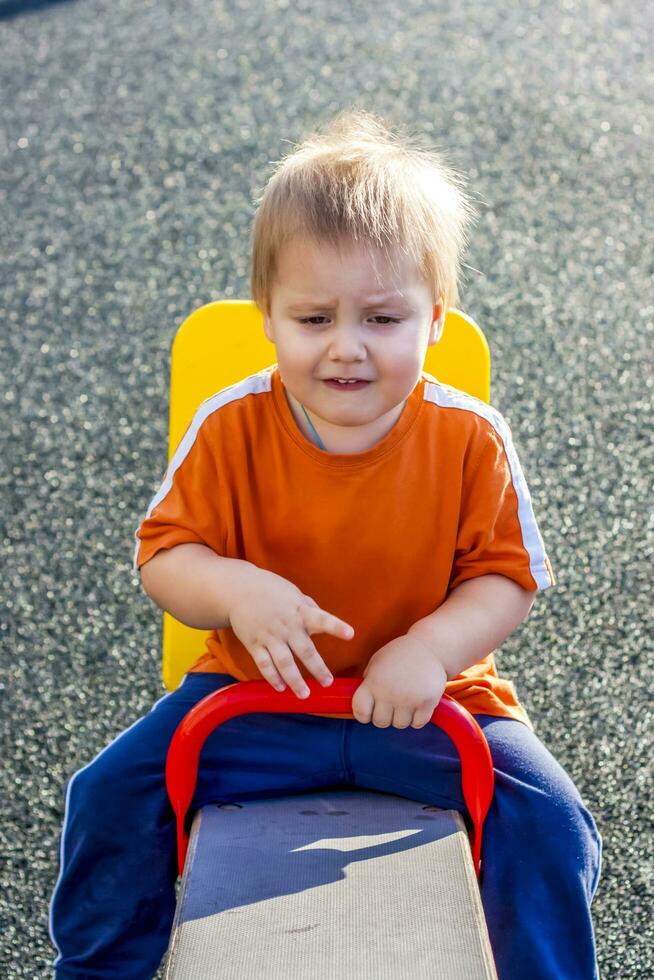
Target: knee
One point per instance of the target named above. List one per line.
(555, 829)
(563, 824)
(579, 833)
(89, 793)
(537, 808)
(108, 786)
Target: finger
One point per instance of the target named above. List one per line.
(421, 717)
(362, 704)
(316, 620)
(382, 715)
(285, 663)
(304, 649)
(402, 717)
(269, 672)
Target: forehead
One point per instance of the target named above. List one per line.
(306, 268)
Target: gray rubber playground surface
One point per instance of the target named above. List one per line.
(133, 139)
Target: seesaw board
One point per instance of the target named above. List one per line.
(331, 885)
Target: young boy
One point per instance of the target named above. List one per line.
(341, 513)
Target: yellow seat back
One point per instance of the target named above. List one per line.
(223, 342)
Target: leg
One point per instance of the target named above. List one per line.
(541, 852)
(113, 905)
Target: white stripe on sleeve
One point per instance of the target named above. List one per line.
(448, 397)
(255, 384)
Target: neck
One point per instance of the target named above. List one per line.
(342, 439)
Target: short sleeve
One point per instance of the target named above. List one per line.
(186, 507)
(497, 531)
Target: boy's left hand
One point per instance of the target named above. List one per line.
(402, 684)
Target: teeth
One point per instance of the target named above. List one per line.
(348, 381)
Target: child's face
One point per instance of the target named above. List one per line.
(327, 321)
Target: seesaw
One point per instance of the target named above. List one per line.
(338, 884)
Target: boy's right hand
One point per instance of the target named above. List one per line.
(274, 621)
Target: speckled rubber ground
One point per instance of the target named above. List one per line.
(134, 137)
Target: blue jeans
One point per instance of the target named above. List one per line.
(112, 908)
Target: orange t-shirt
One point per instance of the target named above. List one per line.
(377, 538)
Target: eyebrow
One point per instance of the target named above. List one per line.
(332, 304)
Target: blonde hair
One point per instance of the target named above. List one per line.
(356, 181)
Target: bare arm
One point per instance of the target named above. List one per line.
(194, 584)
(271, 617)
(405, 679)
(473, 621)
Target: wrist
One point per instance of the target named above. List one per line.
(427, 635)
(240, 586)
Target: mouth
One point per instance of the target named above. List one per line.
(353, 384)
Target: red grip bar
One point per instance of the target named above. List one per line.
(246, 697)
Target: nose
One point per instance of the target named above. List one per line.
(346, 344)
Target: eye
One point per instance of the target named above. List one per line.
(379, 316)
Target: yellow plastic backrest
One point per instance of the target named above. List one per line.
(222, 343)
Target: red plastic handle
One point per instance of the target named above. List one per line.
(245, 697)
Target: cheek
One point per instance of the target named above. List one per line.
(302, 352)
(400, 359)
(295, 363)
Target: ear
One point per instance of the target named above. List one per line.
(438, 321)
(267, 328)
